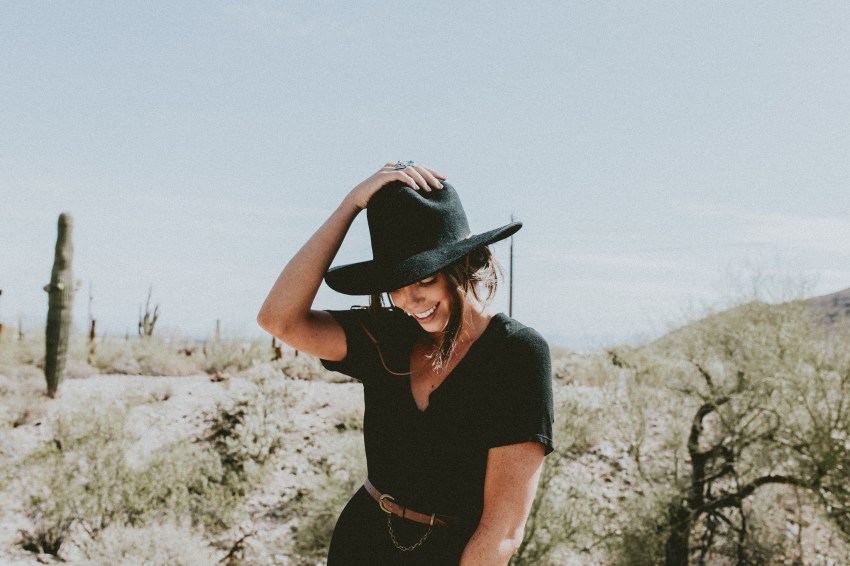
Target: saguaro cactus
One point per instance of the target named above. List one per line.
(60, 294)
(147, 322)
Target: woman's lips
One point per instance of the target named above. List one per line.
(432, 312)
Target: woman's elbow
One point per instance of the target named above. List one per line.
(499, 544)
(513, 542)
(270, 323)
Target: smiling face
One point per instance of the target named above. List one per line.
(428, 301)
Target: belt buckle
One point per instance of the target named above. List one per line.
(381, 502)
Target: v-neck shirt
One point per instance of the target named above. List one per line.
(434, 460)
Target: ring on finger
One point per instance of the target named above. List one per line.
(399, 165)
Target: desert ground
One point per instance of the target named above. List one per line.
(152, 456)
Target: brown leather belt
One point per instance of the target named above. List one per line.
(388, 505)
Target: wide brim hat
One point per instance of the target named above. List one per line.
(414, 234)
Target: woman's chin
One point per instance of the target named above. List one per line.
(435, 322)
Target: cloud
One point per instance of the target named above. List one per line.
(786, 231)
(820, 233)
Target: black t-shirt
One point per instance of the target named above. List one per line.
(500, 393)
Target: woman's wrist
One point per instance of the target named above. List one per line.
(351, 204)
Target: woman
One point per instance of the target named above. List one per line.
(458, 400)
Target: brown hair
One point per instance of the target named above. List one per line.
(477, 273)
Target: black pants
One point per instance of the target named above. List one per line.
(362, 537)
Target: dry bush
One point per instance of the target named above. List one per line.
(29, 351)
(564, 510)
(79, 369)
(308, 368)
(328, 485)
(22, 392)
(77, 477)
(640, 540)
(185, 480)
(747, 399)
(349, 419)
(150, 355)
(572, 368)
(163, 544)
(244, 433)
(232, 355)
(81, 479)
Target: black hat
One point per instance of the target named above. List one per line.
(414, 234)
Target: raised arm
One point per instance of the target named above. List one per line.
(286, 313)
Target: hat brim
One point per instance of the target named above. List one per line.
(369, 277)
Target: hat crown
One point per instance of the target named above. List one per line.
(404, 222)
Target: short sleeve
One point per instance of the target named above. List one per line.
(361, 357)
(393, 331)
(521, 405)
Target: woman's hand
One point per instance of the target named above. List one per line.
(417, 177)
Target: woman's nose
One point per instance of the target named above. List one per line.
(405, 297)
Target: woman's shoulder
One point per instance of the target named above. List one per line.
(519, 359)
(511, 333)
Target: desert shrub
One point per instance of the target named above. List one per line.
(22, 391)
(558, 518)
(184, 480)
(232, 355)
(148, 545)
(349, 419)
(246, 430)
(747, 399)
(81, 477)
(643, 531)
(149, 355)
(562, 513)
(584, 369)
(308, 368)
(244, 434)
(29, 351)
(78, 477)
(327, 486)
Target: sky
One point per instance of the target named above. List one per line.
(662, 155)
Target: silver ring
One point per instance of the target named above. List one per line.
(399, 165)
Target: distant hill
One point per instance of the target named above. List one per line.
(832, 310)
(835, 307)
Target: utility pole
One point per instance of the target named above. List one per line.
(92, 324)
(511, 279)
